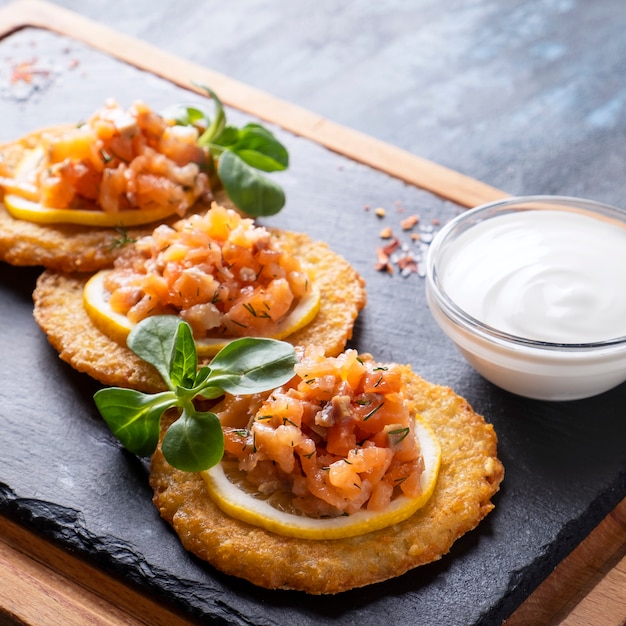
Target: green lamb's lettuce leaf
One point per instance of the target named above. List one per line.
(194, 442)
(239, 155)
(247, 188)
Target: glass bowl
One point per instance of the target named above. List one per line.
(532, 291)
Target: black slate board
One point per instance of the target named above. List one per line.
(64, 476)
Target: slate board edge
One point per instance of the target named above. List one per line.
(65, 528)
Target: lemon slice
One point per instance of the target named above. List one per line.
(244, 506)
(117, 326)
(27, 209)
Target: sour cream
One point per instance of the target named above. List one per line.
(546, 275)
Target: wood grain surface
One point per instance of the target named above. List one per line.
(45, 584)
(589, 586)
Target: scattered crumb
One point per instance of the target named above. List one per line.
(407, 265)
(23, 78)
(409, 222)
(407, 256)
(391, 246)
(383, 264)
(26, 71)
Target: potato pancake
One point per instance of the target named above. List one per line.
(470, 475)
(60, 313)
(63, 247)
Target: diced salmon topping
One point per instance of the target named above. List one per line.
(222, 274)
(120, 160)
(338, 438)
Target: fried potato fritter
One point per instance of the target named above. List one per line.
(63, 247)
(469, 477)
(60, 313)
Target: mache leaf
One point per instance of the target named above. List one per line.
(185, 443)
(252, 365)
(184, 362)
(133, 417)
(260, 149)
(195, 441)
(253, 193)
(154, 340)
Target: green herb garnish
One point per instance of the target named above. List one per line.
(373, 411)
(194, 442)
(399, 435)
(123, 240)
(240, 154)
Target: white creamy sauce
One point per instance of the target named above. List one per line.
(542, 274)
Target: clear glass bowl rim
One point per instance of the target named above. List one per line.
(463, 222)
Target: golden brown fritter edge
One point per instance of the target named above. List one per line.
(469, 477)
(63, 247)
(60, 313)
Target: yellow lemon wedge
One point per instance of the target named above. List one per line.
(244, 506)
(117, 326)
(22, 206)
